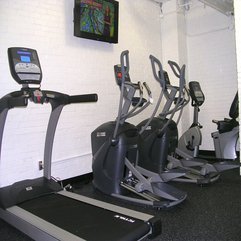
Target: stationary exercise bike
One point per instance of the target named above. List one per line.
(225, 138)
(116, 146)
(190, 141)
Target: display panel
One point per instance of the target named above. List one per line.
(25, 59)
(96, 19)
(24, 65)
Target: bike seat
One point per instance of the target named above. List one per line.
(227, 124)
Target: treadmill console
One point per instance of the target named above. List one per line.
(196, 93)
(118, 75)
(24, 65)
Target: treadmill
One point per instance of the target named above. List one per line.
(40, 207)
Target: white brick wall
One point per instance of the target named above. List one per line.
(73, 66)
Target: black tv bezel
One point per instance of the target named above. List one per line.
(92, 36)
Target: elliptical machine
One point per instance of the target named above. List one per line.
(115, 149)
(161, 138)
(159, 133)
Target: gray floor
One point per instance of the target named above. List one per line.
(210, 213)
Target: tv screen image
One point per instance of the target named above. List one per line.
(96, 19)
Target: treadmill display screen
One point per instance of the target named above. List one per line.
(25, 59)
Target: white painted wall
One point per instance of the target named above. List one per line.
(74, 66)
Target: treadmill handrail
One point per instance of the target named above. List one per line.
(56, 99)
(20, 98)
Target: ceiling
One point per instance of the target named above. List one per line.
(223, 6)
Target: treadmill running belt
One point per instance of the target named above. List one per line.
(86, 221)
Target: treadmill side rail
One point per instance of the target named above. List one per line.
(127, 225)
(35, 227)
(108, 206)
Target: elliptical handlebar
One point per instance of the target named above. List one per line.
(133, 111)
(183, 97)
(125, 66)
(175, 67)
(156, 62)
(147, 88)
(127, 92)
(182, 77)
(140, 87)
(142, 103)
(179, 73)
(180, 101)
(182, 81)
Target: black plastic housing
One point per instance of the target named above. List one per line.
(109, 155)
(155, 145)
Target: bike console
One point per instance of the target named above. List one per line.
(196, 93)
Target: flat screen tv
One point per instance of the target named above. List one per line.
(97, 20)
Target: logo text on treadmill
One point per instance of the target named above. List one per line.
(130, 220)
